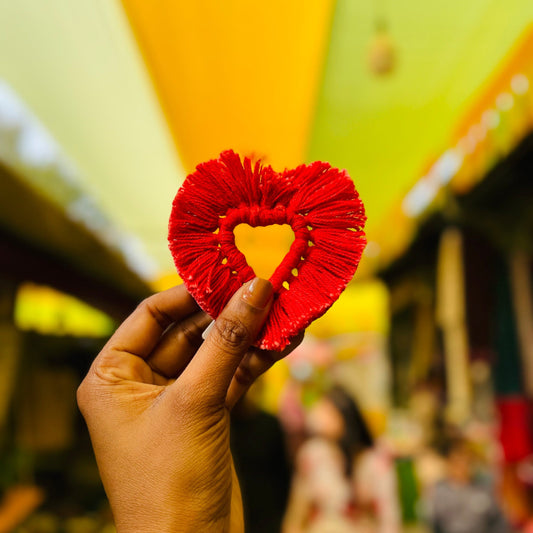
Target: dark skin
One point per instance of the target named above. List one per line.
(157, 401)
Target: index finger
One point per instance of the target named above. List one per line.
(253, 364)
(141, 331)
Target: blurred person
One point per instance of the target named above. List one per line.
(292, 417)
(464, 501)
(342, 483)
(157, 401)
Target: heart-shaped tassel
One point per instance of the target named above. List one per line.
(319, 202)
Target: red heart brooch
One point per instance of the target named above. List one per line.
(319, 202)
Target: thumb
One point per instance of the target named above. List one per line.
(211, 370)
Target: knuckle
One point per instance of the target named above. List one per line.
(191, 333)
(148, 306)
(233, 332)
(244, 376)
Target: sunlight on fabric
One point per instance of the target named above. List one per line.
(239, 75)
(28, 147)
(77, 67)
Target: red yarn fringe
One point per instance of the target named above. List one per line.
(319, 202)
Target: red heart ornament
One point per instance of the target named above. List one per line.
(319, 202)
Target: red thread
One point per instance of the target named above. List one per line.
(320, 204)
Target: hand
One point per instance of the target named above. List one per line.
(156, 401)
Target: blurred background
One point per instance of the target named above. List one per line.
(421, 375)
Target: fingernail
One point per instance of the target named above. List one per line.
(207, 330)
(258, 293)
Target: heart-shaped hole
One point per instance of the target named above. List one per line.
(264, 246)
